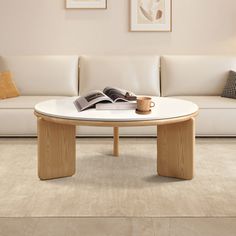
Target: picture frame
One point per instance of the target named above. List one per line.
(151, 15)
(86, 4)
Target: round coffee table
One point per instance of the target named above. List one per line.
(57, 121)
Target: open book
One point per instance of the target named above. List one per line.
(109, 94)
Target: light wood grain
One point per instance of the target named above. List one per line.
(115, 123)
(176, 144)
(116, 142)
(57, 144)
(56, 150)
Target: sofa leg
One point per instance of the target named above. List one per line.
(175, 148)
(116, 142)
(56, 150)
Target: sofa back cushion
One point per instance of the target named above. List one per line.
(44, 75)
(139, 74)
(195, 75)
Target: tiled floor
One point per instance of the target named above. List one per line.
(118, 226)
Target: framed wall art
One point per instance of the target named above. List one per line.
(86, 4)
(151, 15)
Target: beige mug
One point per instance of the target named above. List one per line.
(144, 104)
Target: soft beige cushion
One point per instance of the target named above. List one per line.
(17, 115)
(139, 74)
(211, 102)
(216, 117)
(195, 75)
(44, 75)
(8, 88)
(25, 102)
(14, 122)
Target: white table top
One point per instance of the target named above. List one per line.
(166, 108)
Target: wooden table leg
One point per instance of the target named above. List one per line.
(56, 150)
(116, 142)
(175, 148)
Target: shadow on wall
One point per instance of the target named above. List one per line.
(3, 66)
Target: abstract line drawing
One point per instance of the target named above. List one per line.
(151, 9)
(151, 15)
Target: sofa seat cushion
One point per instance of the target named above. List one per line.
(211, 102)
(25, 102)
(17, 115)
(216, 117)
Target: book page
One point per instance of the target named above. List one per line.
(117, 94)
(90, 100)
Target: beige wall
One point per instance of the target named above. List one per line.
(46, 27)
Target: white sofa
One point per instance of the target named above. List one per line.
(201, 79)
(196, 78)
(38, 78)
